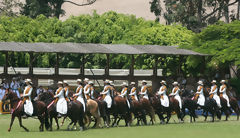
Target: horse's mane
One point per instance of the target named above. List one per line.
(13, 94)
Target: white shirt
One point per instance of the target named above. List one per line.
(214, 91)
(162, 90)
(2, 93)
(15, 85)
(79, 91)
(28, 91)
(224, 91)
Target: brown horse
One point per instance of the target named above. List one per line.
(93, 110)
(47, 98)
(225, 109)
(146, 105)
(120, 110)
(234, 105)
(39, 110)
(174, 106)
(137, 110)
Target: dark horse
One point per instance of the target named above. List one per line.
(138, 111)
(234, 105)
(39, 110)
(75, 110)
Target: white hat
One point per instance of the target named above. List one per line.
(124, 84)
(144, 81)
(175, 83)
(28, 80)
(164, 82)
(111, 83)
(106, 81)
(222, 81)
(200, 82)
(65, 82)
(60, 82)
(79, 80)
(214, 81)
(86, 79)
(90, 82)
(132, 83)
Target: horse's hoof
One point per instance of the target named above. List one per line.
(9, 130)
(81, 128)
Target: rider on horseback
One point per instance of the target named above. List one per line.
(91, 90)
(79, 94)
(124, 92)
(163, 96)
(144, 91)
(223, 91)
(28, 106)
(60, 100)
(87, 89)
(175, 93)
(199, 94)
(213, 93)
(133, 92)
(66, 90)
(106, 94)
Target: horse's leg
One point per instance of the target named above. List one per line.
(21, 125)
(56, 120)
(11, 123)
(51, 119)
(115, 120)
(41, 120)
(81, 124)
(74, 127)
(63, 121)
(69, 125)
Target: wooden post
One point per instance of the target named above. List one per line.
(56, 69)
(107, 66)
(131, 70)
(30, 64)
(156, 79)
(82, 68)
(6, 64)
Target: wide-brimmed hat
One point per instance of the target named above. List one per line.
(90, 82)
(28, 80)
(223, 81)
(144, 81)
(79, 80)
(200, 82)
(124, 84)
(132, 83)
(111, 83)
(60, 82)
(86, 80)
(107, 81)
(65, 82)
(163, 82)
(214, 81)
(175, 83)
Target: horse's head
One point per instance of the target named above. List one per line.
(9, 95)
(45, 96)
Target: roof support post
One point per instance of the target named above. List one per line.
(30, 64)
(6, 64)
(156, 79)
(56, 72)
(107, 66)
(131, 69)
(82, 68)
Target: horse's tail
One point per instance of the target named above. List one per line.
(46, 121)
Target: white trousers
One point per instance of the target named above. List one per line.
(62, 106)
(226, 97)
(28, 107)
(217, 99)
(80, 99)
(201, 100)
(177, 97)
(165, 101)
(108, 100)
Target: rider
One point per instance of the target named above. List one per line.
(200, 94)
(144, 90)
(28, 106)
(213, 93)
(79, 94)
(87, 89)
(92, 89)
(133, 92)
(112, 89)
(106, 94)
(124, 92)
(66, 90)
(163, 96)
(15, 86)
(223, 91)
(175, 93)
(60, 100)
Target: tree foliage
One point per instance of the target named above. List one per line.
(108, 28)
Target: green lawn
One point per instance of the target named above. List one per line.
(219, 129)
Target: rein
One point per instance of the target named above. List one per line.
(50, 104)
(19, 103)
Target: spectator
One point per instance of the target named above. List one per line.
(2, 92)
(15, 86)
(5, 84)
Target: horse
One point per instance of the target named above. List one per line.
(160, 110)
(225, 109)
(102, 105)
(234, 105)
(47, 98)
(137, 109)
(93, 110)
(174, 107)
(39, 110)
(75, 110)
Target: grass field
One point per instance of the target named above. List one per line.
(200, 129)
